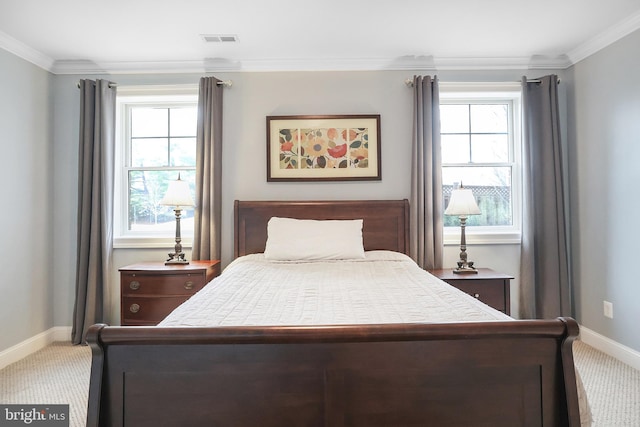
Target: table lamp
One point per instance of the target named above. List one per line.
(179, 196)
(462, 203)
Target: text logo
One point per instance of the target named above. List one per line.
(34, 415)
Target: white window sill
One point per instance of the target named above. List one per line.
(146, 242)
(452, 238)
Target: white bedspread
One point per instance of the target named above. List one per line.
(384, 287)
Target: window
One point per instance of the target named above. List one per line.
(156, 144)
(480, 136)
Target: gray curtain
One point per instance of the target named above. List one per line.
(544, 269)
(95, 204)
(426, 175)
(208, 211)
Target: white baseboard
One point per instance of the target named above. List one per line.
(33, 344)
(614, 349)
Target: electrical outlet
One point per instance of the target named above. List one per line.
(608, 309)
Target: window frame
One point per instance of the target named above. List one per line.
(128, 96)
(487, 93)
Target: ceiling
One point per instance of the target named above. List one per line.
(119, 36)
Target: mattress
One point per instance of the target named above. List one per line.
(383, 287)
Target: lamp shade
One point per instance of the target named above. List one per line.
(462, 202)
(178, 194)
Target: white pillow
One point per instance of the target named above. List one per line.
(307, 239)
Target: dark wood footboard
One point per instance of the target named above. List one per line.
(514, 373)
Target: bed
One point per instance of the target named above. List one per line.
(488, 371)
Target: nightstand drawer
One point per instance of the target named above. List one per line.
(149, 291)
(490, 292)
(168, 284)
(149, 310)
(488, 286)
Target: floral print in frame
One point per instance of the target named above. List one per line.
(308, 148)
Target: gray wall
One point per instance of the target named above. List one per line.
(253, 97)
(26, 288)
(604, 146)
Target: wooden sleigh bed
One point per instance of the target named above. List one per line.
(512, 373)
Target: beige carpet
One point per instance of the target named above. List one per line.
(60, 374)
(613, 388)
(57, 374)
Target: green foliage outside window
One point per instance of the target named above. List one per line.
(494, 203)
(146, 189)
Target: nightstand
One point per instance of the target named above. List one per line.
(149, 291)
(488, 286)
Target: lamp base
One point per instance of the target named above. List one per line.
(176, 262)
(465, 267)
(466, 270)
(176, 259)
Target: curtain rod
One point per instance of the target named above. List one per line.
(110, 85)
(225, 83)
(409, 82)
(537, 81)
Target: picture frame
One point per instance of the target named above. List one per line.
(324, 148)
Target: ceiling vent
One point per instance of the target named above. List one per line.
(219, 38)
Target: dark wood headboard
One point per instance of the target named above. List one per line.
(385, 222)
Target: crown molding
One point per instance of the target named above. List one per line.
(77, 67)
(405, 63)
(507, 63)
(147, 67)
(606, 38)
(25, 52)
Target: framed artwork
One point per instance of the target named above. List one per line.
(323, 148)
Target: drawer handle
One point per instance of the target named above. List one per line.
(188, 285)
(476, 296)
(134, 308)
(135, 285)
